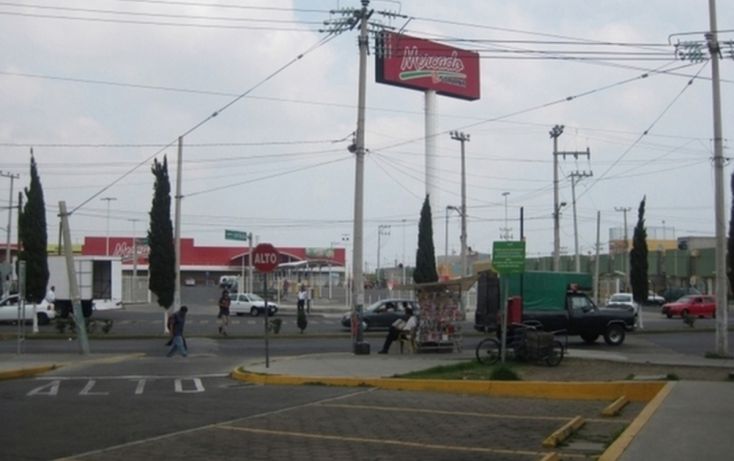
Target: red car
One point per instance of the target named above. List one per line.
(693, 305)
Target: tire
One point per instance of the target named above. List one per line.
(254, 311)
(615, 334)
(488, 351)
(42, 318)
(555, 355)
(669, 315)
(590, 338)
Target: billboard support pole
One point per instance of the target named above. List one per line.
(431, 127)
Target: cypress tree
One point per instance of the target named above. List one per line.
(162, 258)
(34, 237)
(638, 258)
(425, 258)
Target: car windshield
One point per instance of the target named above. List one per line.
(254, 297)
(686, 299)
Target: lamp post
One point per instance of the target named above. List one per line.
(382, 229)
(446, 249)
(107, 232)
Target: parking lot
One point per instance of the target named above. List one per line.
(371, 424)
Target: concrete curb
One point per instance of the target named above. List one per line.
(26, 372)
(636, 391)
(615, 450)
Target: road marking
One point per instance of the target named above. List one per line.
(198, 386)
(207, 427)
(400, 443)
(140, 387)
(88, 389)
(469, 413)
(130, 377)
(51, 389)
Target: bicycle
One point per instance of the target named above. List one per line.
(527, 343)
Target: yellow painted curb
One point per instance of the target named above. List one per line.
(563, 432)
(635, 391)
(615, 407)
(616, 449)
(552, 456)
(26, 372)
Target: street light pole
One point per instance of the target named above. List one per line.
(506, 230)
(555, 133)
(462, 138)
(107, 232)
(382, 229)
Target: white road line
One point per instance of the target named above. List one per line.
(129, 377)
(208, 426)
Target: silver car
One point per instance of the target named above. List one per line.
(250, 303)
(9, 309)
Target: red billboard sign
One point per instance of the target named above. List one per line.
(425, 65)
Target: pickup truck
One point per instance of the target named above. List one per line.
(552, 300)
(582, 317)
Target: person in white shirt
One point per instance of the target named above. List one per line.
(400, 325)
(51, 295)
(302, 296)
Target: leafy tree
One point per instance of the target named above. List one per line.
(638, 258)
(34, 238)
(730, 243)
(425, 259)
(162, 258)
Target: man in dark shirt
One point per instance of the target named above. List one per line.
(177, 328)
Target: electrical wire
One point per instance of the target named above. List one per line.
(270, 76)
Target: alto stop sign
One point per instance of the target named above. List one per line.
(265, 257)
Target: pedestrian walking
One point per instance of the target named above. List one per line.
(177, 322)
(302, 295)
(223, 316)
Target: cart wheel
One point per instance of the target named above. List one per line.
(488, 351)
(555, 355)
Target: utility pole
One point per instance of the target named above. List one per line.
(10, 215)
(625, 260)
(596, 260)
(575, 177)
(722, 307)
(505, 231)
(382, 229)
(107, 232)
(555, 133)
(463, 139)
(177, 228)
(694, 51)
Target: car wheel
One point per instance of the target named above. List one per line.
(589, 338)
(669, 315)
(614, 336)
(254, 312)
(42, 318)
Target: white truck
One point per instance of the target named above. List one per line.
(99, 279)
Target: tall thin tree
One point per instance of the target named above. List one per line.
(425, 258)
(34, 237)
(162, 258)
(638, 258)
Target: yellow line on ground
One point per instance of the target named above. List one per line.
(26, 372)
(466, 413)
(399, 443)
(616, 449)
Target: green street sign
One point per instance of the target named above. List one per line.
(235, 235)
(508, 257)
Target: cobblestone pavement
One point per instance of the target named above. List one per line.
(373, 425)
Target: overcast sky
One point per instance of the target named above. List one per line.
(100, 88)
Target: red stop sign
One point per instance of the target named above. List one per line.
(265, 257)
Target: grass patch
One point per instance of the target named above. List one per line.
(466, 370)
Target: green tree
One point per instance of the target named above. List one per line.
(34, 237)
(730, 244)
(425, 258)
(638, 258)
(162, 258)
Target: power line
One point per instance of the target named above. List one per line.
(318, 44)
